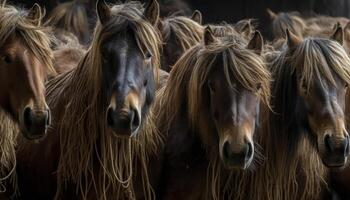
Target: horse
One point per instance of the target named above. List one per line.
(25, 61)
(100, 109)
(207, 113)
(70, 18)
(179, 33)
(305, 132)
(286, 20)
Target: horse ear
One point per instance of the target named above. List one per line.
(292, 40)
(208, 36)
(103, 11)
(271, 14)
(152, 12)
(247, 28)
(35, 14)
(256, 43)
(338, 34)
(197, 17)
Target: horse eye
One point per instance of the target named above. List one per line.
(346, 85)
(6, 59)
(258, 87)
(145, 83)
(148, 55)
(211, 86)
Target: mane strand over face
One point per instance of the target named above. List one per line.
(104, 164)
(36, 37)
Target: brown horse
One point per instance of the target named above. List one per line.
(25, 61)
(70, 17)
(306, 129)
(179, 34)
(207, 112)
(96, 108)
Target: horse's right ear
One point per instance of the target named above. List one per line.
(152, 12)
(103, 11)
(292, 40)
(208, 36)
(271, 14)
(338, 34)
(197, 17)
(35, 14)
(256, 43)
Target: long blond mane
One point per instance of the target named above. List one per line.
(92, 158)
(183, 96)
(36, 37)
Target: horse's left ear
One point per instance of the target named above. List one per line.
(256, 43)
(338, 34)
(103, 11)
(208, 36)
(152, 12)
(197, 17)
(35, 14)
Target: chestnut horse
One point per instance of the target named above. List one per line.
(25, 61)
(306, 129)
(207, 113)
(179, 33)
(97, 107)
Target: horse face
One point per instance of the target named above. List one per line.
(129, 81)
(22, 90)
(325, 106)
(234, 111)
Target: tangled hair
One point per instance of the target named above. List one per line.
(71, 17)
(36, 37)
(91, 157)
(8, 135)
(184, 94)
(291, 21)
(186, 31)
(293, 169)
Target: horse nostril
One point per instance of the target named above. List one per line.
(227, 150)
(48, 118)
(347, 148)
(249, 153)
(110, 118)
(327, 143)
(134, 120)
(28, 118)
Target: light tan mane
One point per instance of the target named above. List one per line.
(183, 95)
(8, 134)
(92, 158)
(186, 31)
(33, 34)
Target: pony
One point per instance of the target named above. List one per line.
(100, 109)
(25, 61)
(207, 113)
(179, 34)
(70, 17)
(305, 132)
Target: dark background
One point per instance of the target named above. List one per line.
(215, 11)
